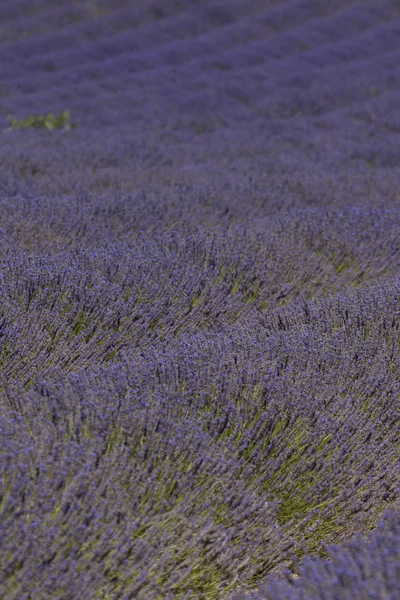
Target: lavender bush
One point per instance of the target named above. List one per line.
(200, 300)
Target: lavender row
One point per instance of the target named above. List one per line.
(57, 194)
(218, 454)
(89, 513)
(367, 567)
(90, 304)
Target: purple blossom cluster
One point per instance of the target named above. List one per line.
(200, 300)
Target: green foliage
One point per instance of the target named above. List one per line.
(48, 121)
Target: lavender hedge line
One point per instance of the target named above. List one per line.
(200, 300)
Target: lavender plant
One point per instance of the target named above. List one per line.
(199, 300)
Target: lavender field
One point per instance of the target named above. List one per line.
(200, 300)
